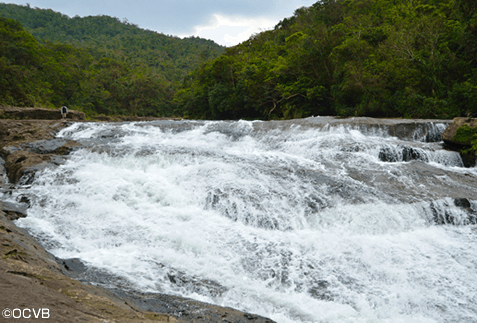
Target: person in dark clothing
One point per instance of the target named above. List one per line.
(64, 112)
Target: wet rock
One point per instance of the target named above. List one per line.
(195, 284)
(466, 205)
(401, 154)
(319, 290)
(23, 163)
(179, 280)
(183, 309)
(388, 155)
(44, 146)
(461, 213)
(13, 211)
(51, 146)
(417, 131)
(74, 267)
(463, 203)
(25, 200)
(410, 153)
(188, 310)
(468, 159)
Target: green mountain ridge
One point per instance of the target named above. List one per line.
(169, 55)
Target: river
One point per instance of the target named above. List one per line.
(312, 220)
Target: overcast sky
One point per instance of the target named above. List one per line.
(226, 22)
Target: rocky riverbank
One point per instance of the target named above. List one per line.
(31, 278)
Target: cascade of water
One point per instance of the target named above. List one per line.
(304, 221)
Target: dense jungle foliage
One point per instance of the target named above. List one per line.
(98, 65)
(167, 55)
(379, 58)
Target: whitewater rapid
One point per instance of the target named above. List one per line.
(296, 221)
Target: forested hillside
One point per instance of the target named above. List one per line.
(98, 65)
(380, 58)
(169, 56)
(52, 75)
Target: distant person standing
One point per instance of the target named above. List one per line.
(64, 112)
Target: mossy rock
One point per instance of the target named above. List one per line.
(460, 132)
(466, 135)
(461, 135)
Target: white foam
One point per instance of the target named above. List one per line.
(282, 225)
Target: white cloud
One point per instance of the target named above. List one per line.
(225, 22)
(231, 30)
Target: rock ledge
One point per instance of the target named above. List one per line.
(38, 114)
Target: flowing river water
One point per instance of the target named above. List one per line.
(312, 220)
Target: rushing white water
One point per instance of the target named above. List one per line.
(296, 223)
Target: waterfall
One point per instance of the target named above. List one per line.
(313, 220)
